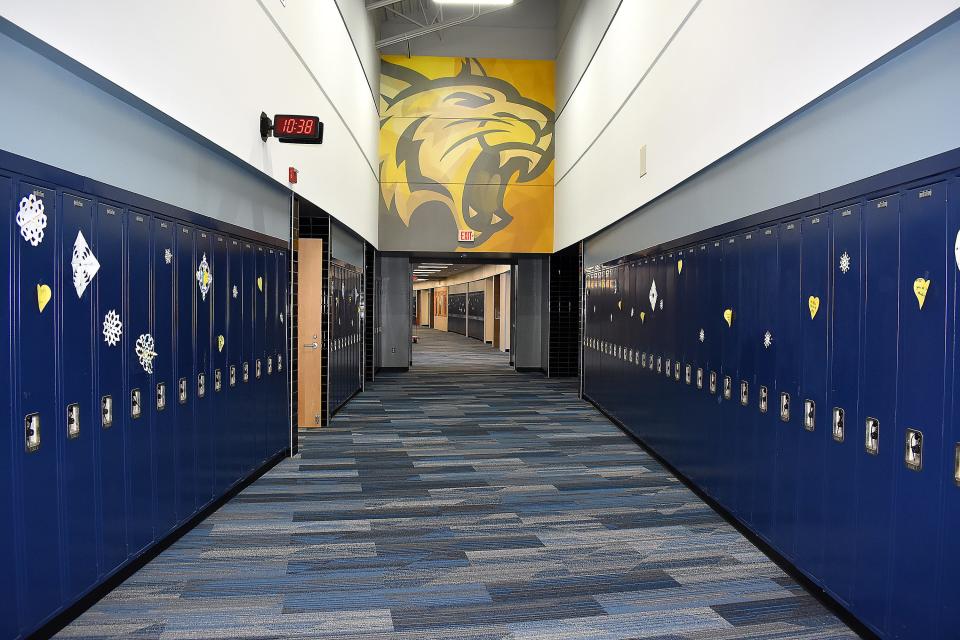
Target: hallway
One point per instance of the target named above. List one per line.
(463, 500)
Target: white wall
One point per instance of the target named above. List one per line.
(213, 66)
(694, 80)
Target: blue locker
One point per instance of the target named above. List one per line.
(920, 399)
(78, 266)
(714, 326)
(274, 406)
(763, 402)
(9, 446)
(728, 373)
(250, 421)
(222, 418)
(38, 419)
(163, 394)
(786, 405)
(261, 393)
(815, 282)
(875, 439)
(142, 356)
(698, 419)
(113, 343)
(204, 393)
(234, 422)
(284, 349)
(183, 400)
(840, 498)
(744, 387)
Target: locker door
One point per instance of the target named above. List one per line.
(284, 347)
(235, 426)
(920, 396)
(37, 415)
(714, 327)
(842, 410)
(183, 396)
(163, 393)
(786, 405)
(692, 267)
(745, 386)
(251, 401)
(9, 445)
(681, 426)
(815, 282)
(727, 387)
(221, 418)
(205, 347)
(763, 403)
(138, 405)
(113, 343)
(270, 348)
(80, 420)
(878, 450)
(261, 393)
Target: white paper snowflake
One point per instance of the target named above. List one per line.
(236, 292)
(168, 256)
(32, 219)
(112, 328)
(703, 335)
(767, 340)
(84, 264)
(653, 296)
(145, 351)
(631, 312)
(845, 262)
(204, 277)
(281, 318)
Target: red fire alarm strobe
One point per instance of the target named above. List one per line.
(292, 175)
(466, 235)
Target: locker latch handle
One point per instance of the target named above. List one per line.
(676, 371)
(688, 374)
(956, 463)
(73, 420)
(785, 406)
(135, 408)
(713, 382)
(246, 372)
(838, 424)
(217, 380)
(744, 392)
(233, 375)
(161, 396)
(106, 411)
(201, 384)
(269, 365)
(763, 399)
(871, 438)
(727, 388)
(668, 368)
(182, 391)
(913, 450)
(699, 378)
(31, 432)
(256, 368)
(809, 415)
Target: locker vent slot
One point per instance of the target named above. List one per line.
(135, 407)
(31, 432)
(73, 420)
(871, 438)
(106, 411)
(838, 424)
(809, 415)
(785, 406)
(763, 399)
(913, 450)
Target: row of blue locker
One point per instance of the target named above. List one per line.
(346, 343)
(802, 375)
(146, 378)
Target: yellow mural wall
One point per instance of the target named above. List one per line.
(466, 144)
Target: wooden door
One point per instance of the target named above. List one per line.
(496, 311)
(309, 324)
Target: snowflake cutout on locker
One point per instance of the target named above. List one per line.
(32, 219)
(145, 351)
(845, 262)
(112, 328)
(653, 296)
(236, 292)
(168, 256)
(84, 264)
(204, 277)
(631, 312)
(703, 335)
(767, 340)
(281, 318)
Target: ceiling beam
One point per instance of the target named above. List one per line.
(378, 4)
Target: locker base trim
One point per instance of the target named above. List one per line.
(832, 604)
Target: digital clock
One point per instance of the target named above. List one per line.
(292, 128)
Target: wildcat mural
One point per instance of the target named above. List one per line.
(466, 145)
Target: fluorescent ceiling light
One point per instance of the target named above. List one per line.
(500, 3)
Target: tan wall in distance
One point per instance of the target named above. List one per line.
(475, 279)
(440, 302)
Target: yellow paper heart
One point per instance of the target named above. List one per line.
(220, 342)
(920, 287)
(814, 304)
(43, 296)
(679, 266)
(620, 304)
(260, 283)
(728, 316)
(643, 314)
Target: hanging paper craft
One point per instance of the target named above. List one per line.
(145, 351)
(920, 288)
(767, 340)
(845, 262)
(259, 283)
(703, 335)
(204, 277)
(653, 296)
(220, 342)
(43, 296)
(728, 316)
(32, 219)
(112, 328)
(631, 312)
(679, 266)
(281, 318)
(85, 265)
(956, 250)
(620, 304)
(643, 315)
(235, 291)
(814, 304)
(167, 256)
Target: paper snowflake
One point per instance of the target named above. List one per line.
(32, 219)
(112, 328)
(703, 335)
(845, 262)
(236, 292)
(281, 318)
(145, 351)
(167, 256)
(631, 312)
(84, 264)
(653, 296)
(767, 340)
(204, 277)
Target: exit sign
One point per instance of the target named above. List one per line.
(466, 235)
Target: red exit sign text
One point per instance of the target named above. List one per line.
(466, 235)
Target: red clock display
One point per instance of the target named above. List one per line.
(289, 128)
